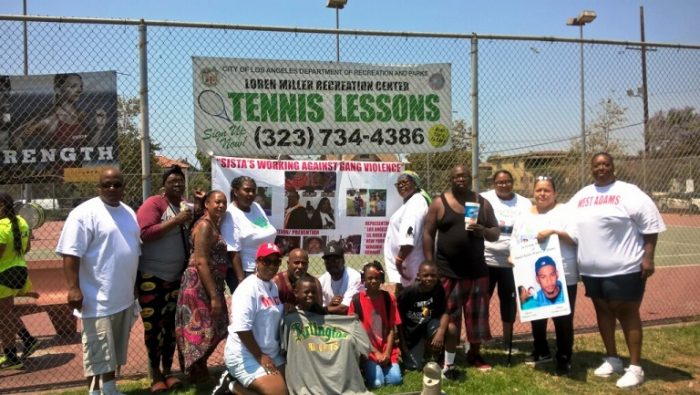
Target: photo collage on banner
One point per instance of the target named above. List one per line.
(57, 127)
(539, 278)
(312, 203)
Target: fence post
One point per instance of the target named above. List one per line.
(475, 113)
(143, 96)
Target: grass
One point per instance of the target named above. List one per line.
(671, 361)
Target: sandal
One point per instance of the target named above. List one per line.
(158, 387)
(173, 382)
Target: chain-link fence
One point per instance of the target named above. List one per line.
(528, 120)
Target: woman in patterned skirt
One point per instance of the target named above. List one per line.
(202, 318)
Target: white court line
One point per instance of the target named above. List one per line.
(675, 255)
(676, 242)
(675, 266)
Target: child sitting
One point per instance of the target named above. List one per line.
(376, 310)
(424, 316)
(323, 351)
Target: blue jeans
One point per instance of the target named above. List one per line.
(378, 376)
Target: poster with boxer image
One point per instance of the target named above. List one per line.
(57, 127)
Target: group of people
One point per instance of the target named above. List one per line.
(607, 235)
(357, 325)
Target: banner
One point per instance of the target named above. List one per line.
(539, 279)
(248, 106)
(314, 202)
(57, 127)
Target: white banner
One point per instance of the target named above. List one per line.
(314, 202)
(539, 279)
(248, 106)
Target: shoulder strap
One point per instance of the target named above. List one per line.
(357, 306)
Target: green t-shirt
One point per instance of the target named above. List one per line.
(10, 258)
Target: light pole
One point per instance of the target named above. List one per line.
(338, 5)
(583, 18)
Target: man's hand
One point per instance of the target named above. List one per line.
(647, 267)
(477, 230)
(75, 298)
(336, 301)
(438, 342)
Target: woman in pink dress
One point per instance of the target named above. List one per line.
(202, 318)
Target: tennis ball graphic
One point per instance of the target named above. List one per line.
(438, 135)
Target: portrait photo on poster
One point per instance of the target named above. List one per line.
(311, 200)
(539, 279)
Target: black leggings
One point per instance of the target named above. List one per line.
(158, 300)
(503, 276)
(563, 327)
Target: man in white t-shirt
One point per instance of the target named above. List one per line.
(100, 247)
(339, 283)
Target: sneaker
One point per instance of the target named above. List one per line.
(477, 361)
(225, 384)
(633, 377)
(536, 359)
(450, 372)
(512, 350)
(30, 345)
(609, 366)
(11, 363)
(563, 368)
(110, 388)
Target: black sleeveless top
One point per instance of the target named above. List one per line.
(459, 253)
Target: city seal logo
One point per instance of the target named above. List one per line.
(209, 76)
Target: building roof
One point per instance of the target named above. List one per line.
(165, 162)
(530, 155)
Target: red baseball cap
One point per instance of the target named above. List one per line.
(267, 249)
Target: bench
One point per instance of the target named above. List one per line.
(49, 294)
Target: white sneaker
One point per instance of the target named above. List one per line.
(634, 376)
(610, 365)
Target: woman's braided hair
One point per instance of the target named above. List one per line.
(8, 211)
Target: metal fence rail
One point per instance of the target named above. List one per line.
(519, 110)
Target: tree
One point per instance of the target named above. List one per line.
(609, 117)
(431, 167)
(674, 134)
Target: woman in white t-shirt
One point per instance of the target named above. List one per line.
(507, 205)
(544, 219)
(616, 225)
(252, 354)
(244, 227)
(403, 248)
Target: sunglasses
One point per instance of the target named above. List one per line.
(543, 178)
(272, 261)
(108, 185)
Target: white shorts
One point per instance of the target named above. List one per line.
(245, 368)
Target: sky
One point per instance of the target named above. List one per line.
(667, 21)
(511, 73)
